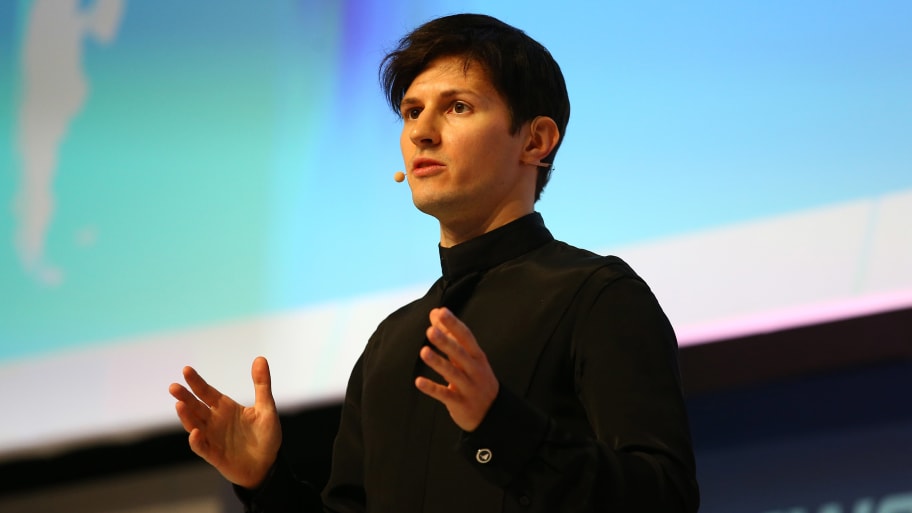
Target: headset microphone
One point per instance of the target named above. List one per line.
(399, 176)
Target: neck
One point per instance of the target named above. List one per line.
(455, 231)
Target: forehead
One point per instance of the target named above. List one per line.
(452, 71)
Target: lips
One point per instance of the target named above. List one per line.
(422, 166)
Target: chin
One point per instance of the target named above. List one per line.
(438, 207)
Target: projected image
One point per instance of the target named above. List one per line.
(199, 183)
(54, 90)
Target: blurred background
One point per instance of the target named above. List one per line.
(201, 183)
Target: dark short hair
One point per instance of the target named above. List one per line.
(520, 69)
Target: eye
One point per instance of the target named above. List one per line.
(411, 113)
(460, 108)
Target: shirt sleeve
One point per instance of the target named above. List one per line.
(639, 456)
(283, 491)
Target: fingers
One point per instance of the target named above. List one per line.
(455, 331)
(203, 390)
(470, 384)
(194, 408)
(447, 344)
(464, 367)
(447, 370)
(451, 368)
(189, 417)
(180, 393)
(262, 384)
(454, 339)
(435, 390)
(190, 410)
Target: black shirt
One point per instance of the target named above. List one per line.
(589, 416)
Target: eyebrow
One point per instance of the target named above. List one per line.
(449, 93)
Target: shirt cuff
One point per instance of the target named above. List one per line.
(280, 491)
(507, 439)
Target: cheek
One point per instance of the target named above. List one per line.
(491, 146)
(405, 144)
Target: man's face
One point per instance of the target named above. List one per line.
(463, 165)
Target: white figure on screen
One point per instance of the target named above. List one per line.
(54, 89)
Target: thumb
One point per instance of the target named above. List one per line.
(262, 384)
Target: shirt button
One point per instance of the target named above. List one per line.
(483, 455)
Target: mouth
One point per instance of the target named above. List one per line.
(425, 167)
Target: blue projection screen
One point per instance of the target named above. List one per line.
(203, 182)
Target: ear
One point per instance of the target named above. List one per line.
(543, 137)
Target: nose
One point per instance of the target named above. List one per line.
(424, 131)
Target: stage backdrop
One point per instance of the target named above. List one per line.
(203, 182)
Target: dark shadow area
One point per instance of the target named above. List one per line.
(806, 382)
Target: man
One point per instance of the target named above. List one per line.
(533, 376)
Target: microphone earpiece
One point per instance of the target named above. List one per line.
(537, 164)
(399, 176)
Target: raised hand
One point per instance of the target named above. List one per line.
(240, 442)
(471, 385)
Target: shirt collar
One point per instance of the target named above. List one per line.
(495, 247)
